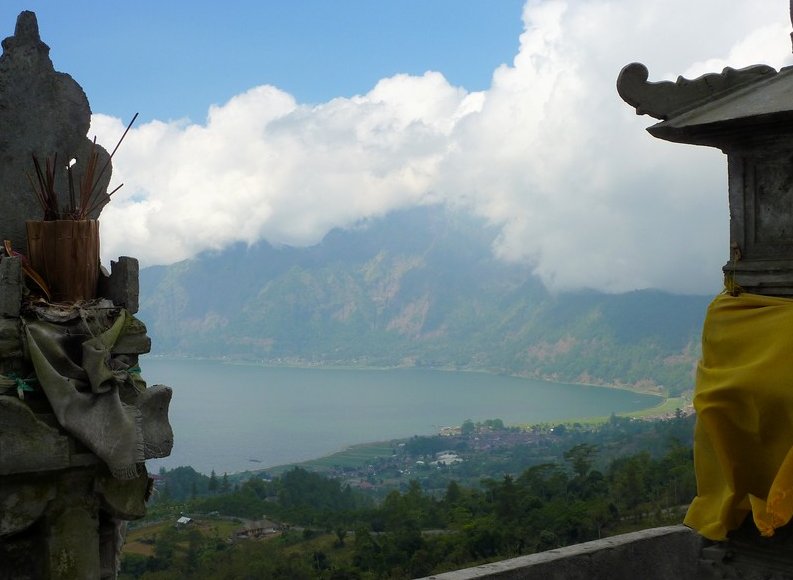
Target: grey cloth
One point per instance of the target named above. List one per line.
(74, 367)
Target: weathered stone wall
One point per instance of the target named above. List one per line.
(672, 552)
(61, 509)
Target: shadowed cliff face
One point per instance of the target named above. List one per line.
(417, 288)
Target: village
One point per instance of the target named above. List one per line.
(438, 457)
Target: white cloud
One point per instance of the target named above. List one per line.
(549, 152)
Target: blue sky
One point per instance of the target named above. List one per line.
(169, 59)
(279, 121)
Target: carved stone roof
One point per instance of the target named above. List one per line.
(713, 109)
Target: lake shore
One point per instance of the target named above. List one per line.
(289, 414)
(303, 364)
(357, 455)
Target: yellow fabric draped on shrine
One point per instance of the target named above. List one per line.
(743, 441)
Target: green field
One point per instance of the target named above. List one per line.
(355, 456)
(666, 408)
(669, 406)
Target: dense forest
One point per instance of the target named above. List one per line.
(583, 483)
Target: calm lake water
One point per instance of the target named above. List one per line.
(230, 417)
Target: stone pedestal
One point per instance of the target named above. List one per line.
(62, 513)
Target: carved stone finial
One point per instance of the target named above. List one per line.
(25, 47)
(27, 28)
(42, 112)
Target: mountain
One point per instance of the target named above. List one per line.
(418, 288)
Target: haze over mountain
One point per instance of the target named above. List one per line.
(421, 288)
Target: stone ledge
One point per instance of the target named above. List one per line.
(657, 553)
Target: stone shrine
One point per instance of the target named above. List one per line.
(743, 398)
(77, 421)
(748, 114)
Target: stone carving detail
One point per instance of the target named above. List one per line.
(666, 99)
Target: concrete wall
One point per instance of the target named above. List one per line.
(656, 554)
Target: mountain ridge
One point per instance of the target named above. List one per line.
(420, 288)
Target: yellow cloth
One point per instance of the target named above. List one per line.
(743, 440)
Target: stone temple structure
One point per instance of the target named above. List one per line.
(743, 444)
(77, 420)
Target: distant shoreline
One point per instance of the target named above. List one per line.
(347, 367)
(373, 448)
(662, 407)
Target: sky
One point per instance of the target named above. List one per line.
(279, 121)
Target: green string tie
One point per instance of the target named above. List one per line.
(22, 385)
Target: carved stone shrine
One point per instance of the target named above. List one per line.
(748, 114)
(743, 440)
(77, 420)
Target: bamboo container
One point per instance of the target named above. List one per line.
(66, 254)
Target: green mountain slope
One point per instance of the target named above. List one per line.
(417, 288)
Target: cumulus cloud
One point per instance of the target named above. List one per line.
(549, 153)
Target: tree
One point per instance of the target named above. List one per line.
(367, 554)
(164, 545)
(180, 482)
(320, 561)
(195, 542)
(341, 533)
(163, 494)
(547, 541)
(506, 499)
(495, 424)
(628, 477)
(425, 445)
(483, 538)
(581, 457)
(453, 493)
(545, 481)
(213, 482)
(468, 427)
(224, 486)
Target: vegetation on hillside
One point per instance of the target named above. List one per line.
(582, 484)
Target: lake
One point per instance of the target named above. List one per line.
(235, 417)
